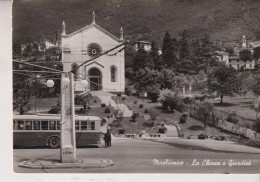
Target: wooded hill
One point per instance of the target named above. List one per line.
(223, 20)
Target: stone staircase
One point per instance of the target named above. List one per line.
(106, 98)
(172, 131)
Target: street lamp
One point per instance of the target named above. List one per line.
(50, 83)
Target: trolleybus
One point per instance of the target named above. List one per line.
(42, 130)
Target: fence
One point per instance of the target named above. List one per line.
(218, 118)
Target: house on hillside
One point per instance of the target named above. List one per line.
(106, 72)
(222, 57)
(235, 61)
(144, 44)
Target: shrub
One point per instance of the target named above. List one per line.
(103, 105)
(181, 107)
(256, 126)
(203, 112)
(141, 106)
(153, 93)
(146, 111)
(170, 101)
(134, 117)
(183, 118)
(162, 130)
(187, 100)
(129, 90)
(154, 96)
(107, 110)
(232, 118)
(121, 131)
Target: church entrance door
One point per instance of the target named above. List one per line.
(95, 78)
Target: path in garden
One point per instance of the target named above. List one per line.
(171, 131)
(106, 98)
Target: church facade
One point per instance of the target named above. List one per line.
(106, 72)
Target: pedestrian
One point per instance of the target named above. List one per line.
(106, 138)
(109, 138)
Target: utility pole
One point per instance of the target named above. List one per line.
(68, 139)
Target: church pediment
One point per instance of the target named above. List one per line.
(94, 26)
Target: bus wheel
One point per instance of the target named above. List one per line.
(54, 142)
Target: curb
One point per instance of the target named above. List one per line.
(199, 147)
(80, 163)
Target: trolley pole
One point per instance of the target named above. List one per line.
(68, 139)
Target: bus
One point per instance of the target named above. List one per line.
(42, 130)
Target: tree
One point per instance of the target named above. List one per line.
(256, 85)
(140, 60)
(230, 50)
(223, 81)
(36, 45)
(145, 79)
(168, 49)
(184, 45)
(149, 79)
(16, 49)
(256, 56)
(245, 55)
(22, 89)
(84, 100)
(204, 111)
(166, 79)
(154, 56)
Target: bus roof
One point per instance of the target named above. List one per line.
(52, 117)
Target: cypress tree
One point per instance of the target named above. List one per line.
(168, 55)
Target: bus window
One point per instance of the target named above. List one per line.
(44, 125)
(58, 125)
(77, 125)
(28, 125)
(52, 125)
(20, 125)
(83, 125)
(92, 125)
(36, 125)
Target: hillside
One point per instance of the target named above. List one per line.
(224, 20)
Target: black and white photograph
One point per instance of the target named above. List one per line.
(135, 86)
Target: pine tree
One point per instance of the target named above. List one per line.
(168, 55)
(154, 56)
(184, 44)
(140, 59)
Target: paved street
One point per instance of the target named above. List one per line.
(141, 156)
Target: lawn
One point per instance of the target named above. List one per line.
(242, 106)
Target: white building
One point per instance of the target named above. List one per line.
(104, 73)
(222, 56)
(144, 44)
(238, 64)
(49, 44)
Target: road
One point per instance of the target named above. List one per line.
(142, 156)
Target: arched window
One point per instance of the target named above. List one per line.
(113, 73)
(74, 70)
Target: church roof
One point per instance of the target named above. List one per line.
(98, 27)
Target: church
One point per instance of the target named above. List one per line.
(106, 72)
